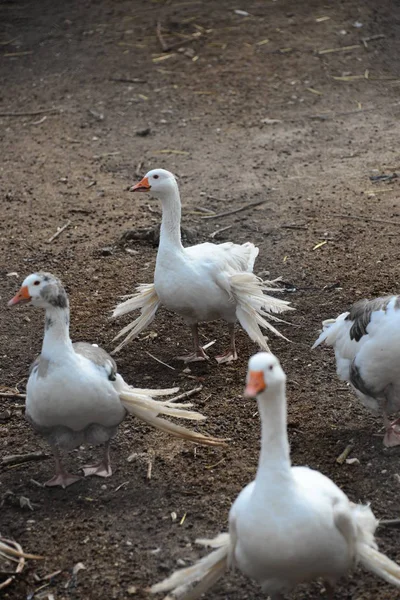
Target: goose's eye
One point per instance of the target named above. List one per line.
(156, 176)
(36, 283)
(271, 367)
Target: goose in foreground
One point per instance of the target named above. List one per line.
(291, 524)
(367, 350)
(74, 394)
(201, 283)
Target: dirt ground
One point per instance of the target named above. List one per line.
(238, 119)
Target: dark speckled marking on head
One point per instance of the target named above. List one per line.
(360, 313)
(53, 293)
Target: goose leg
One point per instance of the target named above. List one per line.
(61, 477)
(230, 354)
(198, 353)
(102, 468)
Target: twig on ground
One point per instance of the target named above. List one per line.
(121, 486)
(209, 467)
(209, 344)
(361, 218)
(294, 226)
(150, 462)
(235, 210)
(42, 120)
(59, 232)
(12, 394)
(160, 361)
(372, 38)
(160, 38)
(187, 394)
(34, 113)
(17, 459)
(342, 457)
(217, 231)
(127, 80)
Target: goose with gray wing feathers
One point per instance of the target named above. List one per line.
(367, 351)
(74, 393)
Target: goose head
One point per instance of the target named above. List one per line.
(264, 373)
(158, 181)
(41, 289)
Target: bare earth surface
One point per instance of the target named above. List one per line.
(238, 119)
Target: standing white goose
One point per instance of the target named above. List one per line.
(205, 282)
(291, 524)
(367, 350)
(74, 393)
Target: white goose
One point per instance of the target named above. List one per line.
(367, 350)
(205, 282)
(291, 524)
(74, 393)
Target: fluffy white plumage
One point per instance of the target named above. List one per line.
(76, 396)
(367, 352)
(201, 283)
(291, 524)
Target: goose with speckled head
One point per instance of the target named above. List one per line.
(75, 395)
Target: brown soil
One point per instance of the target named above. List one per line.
(208, 108)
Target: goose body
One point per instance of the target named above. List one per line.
(74, 393)
(291, 524)
(367, 351)
(87, 407)
(206, 282)
(194, 282)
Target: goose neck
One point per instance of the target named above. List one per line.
(274, 462)
(170, 234)
(56, 332)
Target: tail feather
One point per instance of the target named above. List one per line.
(147, 301)
(331, 328)
(140, 404)
(207, 571)
(367, 552)
(379, 564)
(254, 308)
(131, 400)
(177, 430)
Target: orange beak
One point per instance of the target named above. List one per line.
(22, 296)
(255, 384)
(142, 186)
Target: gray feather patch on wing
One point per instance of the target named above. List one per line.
(41, 365)
(98, 356)
(360, 313)
(358, 382)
